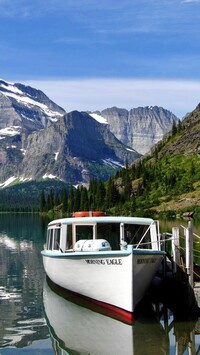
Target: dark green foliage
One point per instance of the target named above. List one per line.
(84, 205)
(64, 200)
(71, 199)
(77, 200)
(137, 189)
(174, 128)
(32, 196)
(42, 202)
(100, 195)
(112, 194)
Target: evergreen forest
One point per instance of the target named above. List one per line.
(157, 184)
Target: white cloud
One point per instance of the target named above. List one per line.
(189, 1)
(39, 8)
(178, 96)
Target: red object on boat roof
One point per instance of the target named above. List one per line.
(88, 214)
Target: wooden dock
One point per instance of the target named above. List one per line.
(181, 277)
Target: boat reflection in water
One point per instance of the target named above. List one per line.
(77, 329)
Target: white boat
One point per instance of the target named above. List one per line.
(111, 260)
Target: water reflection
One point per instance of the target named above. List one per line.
(21, 280)
(74, 329)
(79, 330)
(167, 225)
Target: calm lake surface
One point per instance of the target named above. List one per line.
(36, 320)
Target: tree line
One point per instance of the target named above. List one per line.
(135, 189)
(99, 196)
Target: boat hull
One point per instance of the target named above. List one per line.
(119, 279)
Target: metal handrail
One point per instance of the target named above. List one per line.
(139, 243)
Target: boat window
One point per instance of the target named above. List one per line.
(133, 233)
(56, 239)
(53, 239)
(84, 232)
(69, 237)
(110, 232)
(49, 238)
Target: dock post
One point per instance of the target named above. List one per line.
(189, 252)
(175, 249)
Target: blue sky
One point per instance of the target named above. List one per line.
(92, 54)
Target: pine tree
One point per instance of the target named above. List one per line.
(127, 184)
(64, 200)
(77, 199)
(51, 200)
(92, 194)
(100, 195)
(71, 199)
(42, 202)
(112, 195)
(84, 206)
(174, 128)
(180, 126)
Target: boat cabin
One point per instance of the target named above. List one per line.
(102, 233)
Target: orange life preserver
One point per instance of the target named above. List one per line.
(88, 214)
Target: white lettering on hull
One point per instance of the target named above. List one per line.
(104, 261)
(146, 261)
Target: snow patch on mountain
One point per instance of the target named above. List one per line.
(99, 118)
(49, 176)
(10, 90)
(112, 163)
(9, 131)
(30, 102)
(56, 155)
(8, 181)
(130, 150)
(10, 87)
(13, 179)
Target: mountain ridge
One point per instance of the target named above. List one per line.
(38, 139)
(140, 128)
(167, 179)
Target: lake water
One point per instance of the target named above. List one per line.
(36, 320)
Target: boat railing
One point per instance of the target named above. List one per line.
(136, 246)
(145, 233)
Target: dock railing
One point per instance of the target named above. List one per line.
(183, 256)
(180, 273)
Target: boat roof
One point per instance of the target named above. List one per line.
(104, 219)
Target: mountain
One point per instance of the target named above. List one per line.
(73, 153)
(165, 182)
(167, 179)
(25, 109)
(140, 128)
(188, 141)
(39, 140)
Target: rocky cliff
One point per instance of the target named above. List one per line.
(39, 140)
(72, 153)
(26, 109)
(140, 128)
